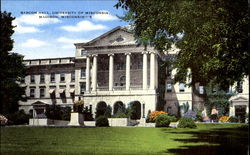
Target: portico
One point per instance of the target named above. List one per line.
(93, 59)
(118, 70)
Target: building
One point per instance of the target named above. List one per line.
(108, 70)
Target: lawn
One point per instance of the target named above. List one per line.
(206, 139)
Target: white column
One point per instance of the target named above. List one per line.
(231, 109)
(87, 74)
(127, 70)
(94, 72)
(111, 71)
(156, 72)
(152, 70)
(145, 70)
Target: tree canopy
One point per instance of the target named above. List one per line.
(12, 68)
(212, 35)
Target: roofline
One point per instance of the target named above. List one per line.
(49, 58)
(103, 35)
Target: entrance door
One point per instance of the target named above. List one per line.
(240, 112)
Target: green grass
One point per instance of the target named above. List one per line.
(206, 139)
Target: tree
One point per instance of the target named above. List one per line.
(217, 98)
(12, 68)
(212, 36)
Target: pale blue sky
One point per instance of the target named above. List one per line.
(54, 37)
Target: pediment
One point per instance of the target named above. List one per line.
(240, 98)
(38, 103)
(116, 36)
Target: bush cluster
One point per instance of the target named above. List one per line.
(103, 110)
(233, 119)
(199, 116)
(18, 118)
(102, 121)
(87, 113)
(120, 115)
(186, 122)
(163, 120)
(190, 114)
(223, 119)
(57, 112)
(153, 115)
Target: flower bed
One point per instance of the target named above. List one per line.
(223, 119)
(153, 115)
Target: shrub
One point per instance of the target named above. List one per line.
(233, 119)
(223, 119)
(3, 120)
(102, 121)
(17, 118)
(163, 120)
(134, 112)
(173, 118)
(185, 107)
(148, 115)
(65, 113)
(190, 114)
(153, 115)
(103, 110)
(199, 116)
(120, 115)
(108, 111)
(186, 122)
(57, 112)
(87, 113)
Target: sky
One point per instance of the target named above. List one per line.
(42, 32)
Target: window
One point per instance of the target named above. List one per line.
(169, 87)
(73, 76)
(83, 72)
(83, 52)
(122, 80)
(82, 87)
(120, 66)
(239, 87)
(42, 92)
(32, 78)
(182, 87)
(140, 64)
(62, 77)
(52, 77)
(32, 92)
(42, 78)
(201, 89)
(62, 87)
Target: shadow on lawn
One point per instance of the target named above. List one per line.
(220, 141)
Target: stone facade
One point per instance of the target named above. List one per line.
(109, 69)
